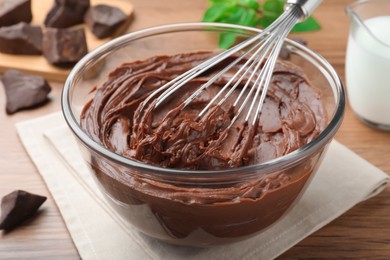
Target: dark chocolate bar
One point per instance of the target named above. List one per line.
(23, 90)
(15, 11)
(64, 46)
(66, 13)
(104, 20)
(21, 38)
(18, 206)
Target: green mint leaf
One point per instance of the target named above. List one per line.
(226, 40)
(230, 2)
(216, 12)
(273, 8)
(250, 13)
(242, 16)
(234, 17)
(249, 18)
(310, 24)
(265, 21)
(253, 4)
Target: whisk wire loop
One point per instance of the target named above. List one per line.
(181, 80)
(266, 73)
(261, 51)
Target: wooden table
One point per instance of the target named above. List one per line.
(362, 232)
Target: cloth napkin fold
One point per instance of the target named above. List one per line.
(343, 180)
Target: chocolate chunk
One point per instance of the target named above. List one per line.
(64, 46)
(18, 206)
(104, 20)
(21, 38)
(23, 90)
(66, 13)
(15, 11)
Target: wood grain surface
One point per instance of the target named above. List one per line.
(363, 232)
(37, 64)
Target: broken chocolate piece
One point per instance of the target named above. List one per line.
(104, 20)
(21, 38)
(64, 46)
(18, 206)
(66, 13)
(15, 11)
(23, 90)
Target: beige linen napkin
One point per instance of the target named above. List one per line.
(343, 180)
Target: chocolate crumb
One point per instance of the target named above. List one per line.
(21, 38)
(15, 11)
(64, 46)
(66, 13)
(18, 206)
(104, 20)
(24, 91)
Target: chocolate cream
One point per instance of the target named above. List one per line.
(173, 136)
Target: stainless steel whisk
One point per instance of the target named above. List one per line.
(263, 48)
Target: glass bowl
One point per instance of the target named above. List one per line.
(196, 208)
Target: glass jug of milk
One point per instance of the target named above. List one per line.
(367, 65)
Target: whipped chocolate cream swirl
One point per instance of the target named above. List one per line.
(175, 137)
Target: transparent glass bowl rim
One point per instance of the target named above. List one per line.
(277, 163)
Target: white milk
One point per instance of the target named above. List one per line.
(368, 71)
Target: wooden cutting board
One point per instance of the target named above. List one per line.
(38, 64)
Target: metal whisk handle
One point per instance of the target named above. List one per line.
(307, 6)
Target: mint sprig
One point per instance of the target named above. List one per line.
(250, 13)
